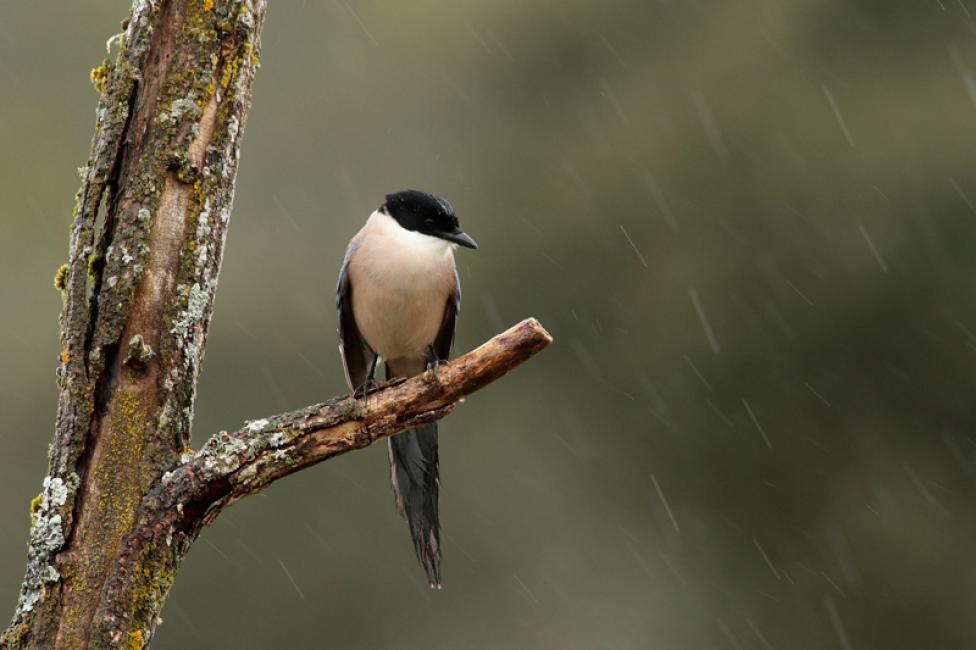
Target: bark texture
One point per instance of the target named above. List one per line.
(231, 466)
(146, 244)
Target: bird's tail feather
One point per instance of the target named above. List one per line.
(414, 474)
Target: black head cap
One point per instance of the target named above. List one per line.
(427, 214)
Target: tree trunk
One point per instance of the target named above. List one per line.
(146, 245)
(125, 497)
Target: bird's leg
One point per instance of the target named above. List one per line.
(370, 384)
(433, 363)
(368, 387)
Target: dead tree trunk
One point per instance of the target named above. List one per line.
(124, 497)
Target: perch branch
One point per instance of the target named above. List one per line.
(265, 450)
(231, 466)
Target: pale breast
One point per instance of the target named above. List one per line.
(400, 288)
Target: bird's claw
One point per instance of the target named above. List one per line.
(432, 367)
(368, 387)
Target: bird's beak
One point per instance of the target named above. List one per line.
(460, 238)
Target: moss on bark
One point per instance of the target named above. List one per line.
(145, 247)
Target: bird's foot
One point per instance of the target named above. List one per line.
(368, 387)
(432, 366)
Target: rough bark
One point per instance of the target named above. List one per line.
(146, 244)
(124, 497)
(231, 466)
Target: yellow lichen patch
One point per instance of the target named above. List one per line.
(230, 70)
(149, 586)
(36, 504)
(135, 641)
(65, 356)
(119, 487)
(208, 5)
(228, 73)
(106, 519)
(130, 421)
(61, 277)
(94, 264)
(185, 175)
(99, 76)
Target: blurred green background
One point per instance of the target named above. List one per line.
(750, 227)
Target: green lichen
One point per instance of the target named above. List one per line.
(61, 278)
(139, 354)
(46, 538)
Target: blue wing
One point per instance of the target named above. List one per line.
(357, 357)
(445, 336)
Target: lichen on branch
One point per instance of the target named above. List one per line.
(231, 466)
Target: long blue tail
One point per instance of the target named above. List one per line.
(415, 476)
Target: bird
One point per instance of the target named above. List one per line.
(397, 301)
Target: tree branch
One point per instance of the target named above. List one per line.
(231, 466)
(265, 450)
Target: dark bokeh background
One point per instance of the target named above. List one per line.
(750, 227)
